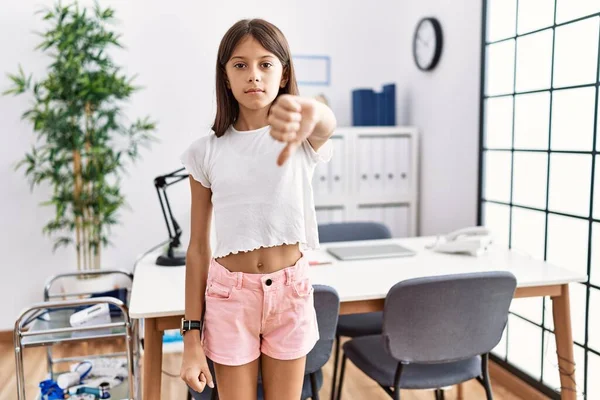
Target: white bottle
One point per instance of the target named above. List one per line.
(68, 379)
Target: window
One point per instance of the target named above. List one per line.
(540, 177)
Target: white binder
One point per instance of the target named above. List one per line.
(338, 174)
(391, 164)
(322, 216)
(396, 217)
(337, 215)
(403, 162)
(329, 215)
(364, 166)
(377, 214)
(377, 165)
(320, 179)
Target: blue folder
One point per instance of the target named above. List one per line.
(364, 107)
(374, 109)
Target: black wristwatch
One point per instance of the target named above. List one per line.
(188, 325)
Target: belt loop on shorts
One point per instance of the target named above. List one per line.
(240, 278)
(289, 274)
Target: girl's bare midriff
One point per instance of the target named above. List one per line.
(264, 260)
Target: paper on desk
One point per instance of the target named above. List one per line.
(318, 257)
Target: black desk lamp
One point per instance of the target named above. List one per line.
(170, 259)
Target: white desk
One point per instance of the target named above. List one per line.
(158, 293)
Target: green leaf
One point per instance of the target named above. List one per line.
(21, 82)
(61, 242)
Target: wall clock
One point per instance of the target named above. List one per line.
(427, 43)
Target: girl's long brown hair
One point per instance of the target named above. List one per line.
(271, 38)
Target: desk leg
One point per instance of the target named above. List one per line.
(561, 313)
(152, 360)
(460, 391)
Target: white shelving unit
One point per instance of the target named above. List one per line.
(373, 176)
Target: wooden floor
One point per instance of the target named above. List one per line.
(357, 386)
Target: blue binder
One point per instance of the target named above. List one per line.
(381, 111)
(370, 108)
(389, 96)
(364, 107)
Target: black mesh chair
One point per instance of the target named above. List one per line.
(354, 325)
(437, 332)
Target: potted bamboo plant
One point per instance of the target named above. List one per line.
(83, 142)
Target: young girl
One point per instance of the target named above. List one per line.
(255, 171)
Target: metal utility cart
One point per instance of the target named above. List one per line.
(47, 323)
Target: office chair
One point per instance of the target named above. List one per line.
(437, 332)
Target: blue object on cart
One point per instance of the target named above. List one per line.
(50, 390)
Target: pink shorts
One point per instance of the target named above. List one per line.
(249, 314)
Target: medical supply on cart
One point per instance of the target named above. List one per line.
(94, 377)
(78, 372)
(97, 314)
(101, 391)
(106, 367)
(49, 390)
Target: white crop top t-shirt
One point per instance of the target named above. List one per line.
(257, 203)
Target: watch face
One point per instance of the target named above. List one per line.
(427, 44)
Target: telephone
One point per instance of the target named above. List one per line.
(474, 240)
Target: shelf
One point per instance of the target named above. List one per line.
(372, 176)
(59, 320)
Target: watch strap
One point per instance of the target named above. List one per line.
(188, 325)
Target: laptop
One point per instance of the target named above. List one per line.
(369, 251)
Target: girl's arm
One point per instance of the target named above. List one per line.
(325, 126)
(198, 254)
(194, 367)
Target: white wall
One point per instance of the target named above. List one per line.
(444, 105)
(173, 49)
